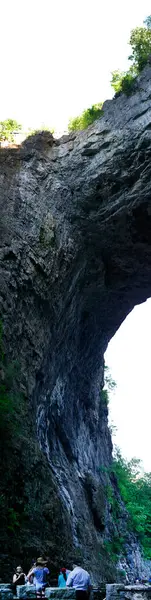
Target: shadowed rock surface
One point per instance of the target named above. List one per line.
(75, 257)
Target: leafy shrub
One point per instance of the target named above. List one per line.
(109, 386)
(86, 118)
(32, 132)
(128, 83)
(135, 489)
(114, 547)
(116, 81)
(123, 82)
(8, 128)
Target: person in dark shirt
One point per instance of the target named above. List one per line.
(19, 578)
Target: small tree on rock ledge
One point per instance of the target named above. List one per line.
(8, 128)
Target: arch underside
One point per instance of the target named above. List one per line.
(75, 258)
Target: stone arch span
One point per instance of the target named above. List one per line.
(75, 258)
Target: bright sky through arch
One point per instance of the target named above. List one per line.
(129, 358)
(57, 55)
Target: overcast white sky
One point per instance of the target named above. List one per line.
(57, 55)
(56, 60)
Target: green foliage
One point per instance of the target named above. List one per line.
(8, 128)
(112, 499)
(43, 128)
(135, 489)
(104, 395)
(86, 118)
(123, 82)
(140, 42)
(128, 83)
(116, 82)
(7, 404)
(109, 493)
(108, 563)
(13, 519)
(114, 547)
(109, 386)
(8, 514)
(108, 381)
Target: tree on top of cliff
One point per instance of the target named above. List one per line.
(86, 118)
(8, 128)
(140, 42)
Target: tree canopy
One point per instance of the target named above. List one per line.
(8, 128)
(135, 489)
(140, 42)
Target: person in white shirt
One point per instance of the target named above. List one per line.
(80, 580)
(67, 572)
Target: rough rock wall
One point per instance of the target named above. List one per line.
(75, 257)
(128, 592)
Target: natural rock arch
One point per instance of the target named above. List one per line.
(75, 257)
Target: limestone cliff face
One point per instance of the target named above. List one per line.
(75, 257)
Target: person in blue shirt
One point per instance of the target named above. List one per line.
(39, 572)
